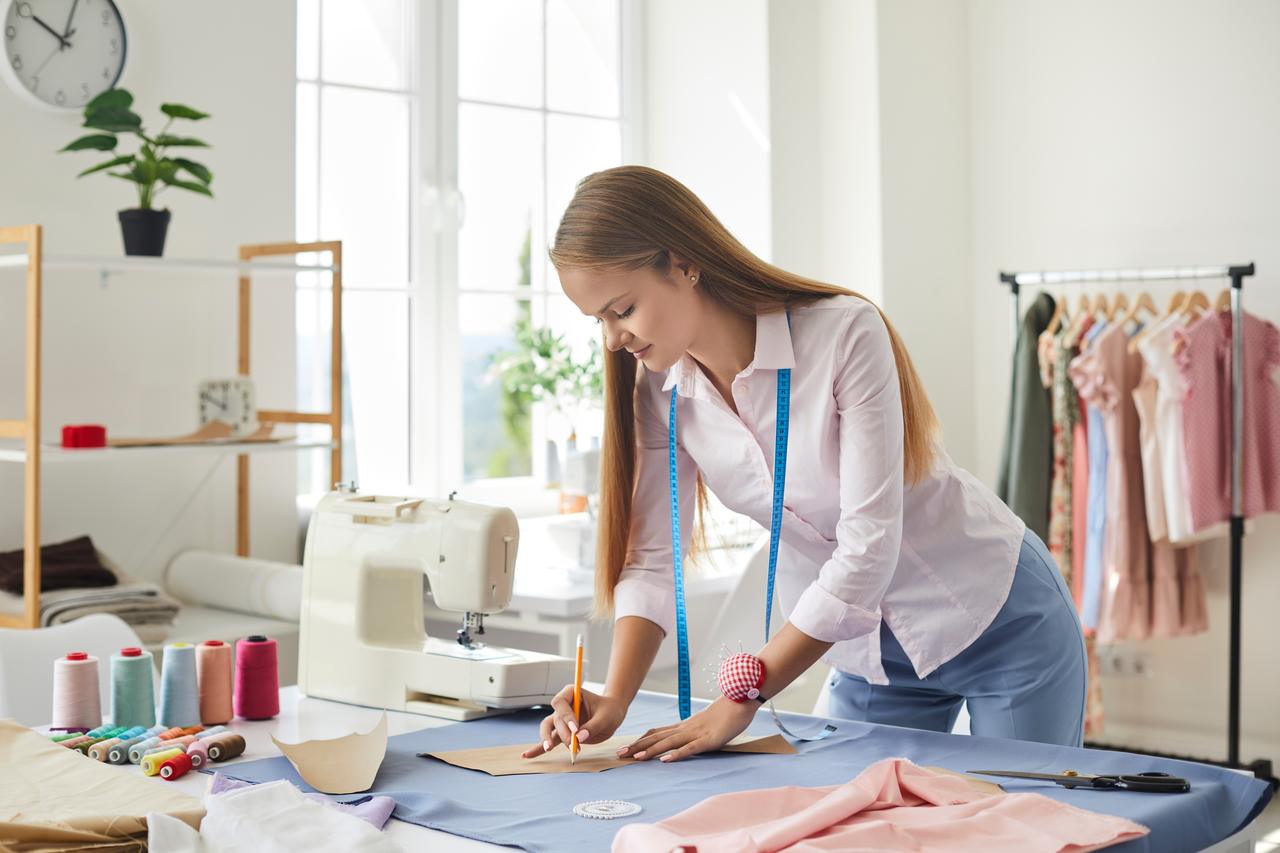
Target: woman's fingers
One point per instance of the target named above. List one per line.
(691, 748)
(550, 738)
(646, 740)
(671, 741)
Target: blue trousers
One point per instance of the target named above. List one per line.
(1023, 678)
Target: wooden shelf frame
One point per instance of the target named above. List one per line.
(27, 428)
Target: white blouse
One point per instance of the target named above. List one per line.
(935, 560)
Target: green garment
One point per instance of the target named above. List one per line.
(1026, 464)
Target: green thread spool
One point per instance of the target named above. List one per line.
(133, 700)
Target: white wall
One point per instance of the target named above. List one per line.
(130, 355)
(706, 102)
(1135, 134)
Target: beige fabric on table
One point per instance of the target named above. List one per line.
(53, 798)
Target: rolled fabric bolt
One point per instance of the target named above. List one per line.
(225, 747)
(176, 767)
(177, 743)
(151, 764)
(198, 752)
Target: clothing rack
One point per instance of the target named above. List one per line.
(1236, 273)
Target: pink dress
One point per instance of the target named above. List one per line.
(1111, 373)
(1177, 593)
(892, 805)
(1204, 358)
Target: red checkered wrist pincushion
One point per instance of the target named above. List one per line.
(741, 677)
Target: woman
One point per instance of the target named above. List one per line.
(909, 577)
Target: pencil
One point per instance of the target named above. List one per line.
(577, 703)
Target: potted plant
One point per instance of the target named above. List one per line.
(150, 168)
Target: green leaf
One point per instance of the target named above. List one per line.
(124, 177)
(179, 111)
(191, 185)
(166, 170)
(170, 139)
(118, 99)
(200, 172)
(110, 164)
(93, 142)
(114, 120)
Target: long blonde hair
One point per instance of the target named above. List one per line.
(632, 217)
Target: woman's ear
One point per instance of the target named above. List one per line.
(685, 272)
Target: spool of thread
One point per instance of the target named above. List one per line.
(257, 693)
(212, 732)
(67, 736)
(151, 764)
(177, 743)
(99, 731)
(191, 730)
(168, 733)
(83, 748)
(179, 695)
(142, 747)
(75, 691)
(73, 742)
(133, 697)
(176, 767)
(213, 675)
(119, 753)
(100, 750)
(198, 752)
(225, 746)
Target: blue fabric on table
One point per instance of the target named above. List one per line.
(535, 812)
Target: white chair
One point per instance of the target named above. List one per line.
(27, 656)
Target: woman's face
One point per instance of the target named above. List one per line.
(653, 316)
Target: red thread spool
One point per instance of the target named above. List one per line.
(175, 767)
(257, 693)
(84, 435)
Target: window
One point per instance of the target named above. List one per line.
(441, 142)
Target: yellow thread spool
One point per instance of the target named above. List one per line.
(151, 763)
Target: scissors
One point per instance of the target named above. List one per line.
(1153, 782)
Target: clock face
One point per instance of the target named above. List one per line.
(230, 401)
(62, 53)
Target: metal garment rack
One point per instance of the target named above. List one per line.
(1261, 767)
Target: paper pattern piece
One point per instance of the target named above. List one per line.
(214, 432)
(342, 765)
(592, 758)
(53, 798)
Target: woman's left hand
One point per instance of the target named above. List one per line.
(707, 730)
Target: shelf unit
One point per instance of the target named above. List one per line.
(20, 437)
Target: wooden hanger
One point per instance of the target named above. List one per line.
(1144, 300)
(1223, 302)
(1196, 304)
(1081, 314)
(1120, 303)
(1099, 305)
(1175, 303)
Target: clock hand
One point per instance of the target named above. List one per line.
(51, 30)
(67, 31)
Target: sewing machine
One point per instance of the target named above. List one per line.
(363, 637)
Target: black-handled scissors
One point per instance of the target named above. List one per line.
(1153, 782)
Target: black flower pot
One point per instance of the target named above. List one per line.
(144, 231)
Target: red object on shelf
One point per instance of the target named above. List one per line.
(84, 435)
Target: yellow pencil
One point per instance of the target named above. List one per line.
(577, 703)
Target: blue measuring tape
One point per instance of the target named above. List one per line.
(782, 429)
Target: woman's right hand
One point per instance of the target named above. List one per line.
(601, 716)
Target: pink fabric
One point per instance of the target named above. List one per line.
(1204, 358)
(892, 805)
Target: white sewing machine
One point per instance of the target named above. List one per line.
(363, 638)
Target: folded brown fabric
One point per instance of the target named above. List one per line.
(63, 565)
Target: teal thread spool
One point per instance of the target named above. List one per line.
(179, 695)
(133, 699)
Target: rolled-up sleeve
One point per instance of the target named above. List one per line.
(844, 602)
(646, 586)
